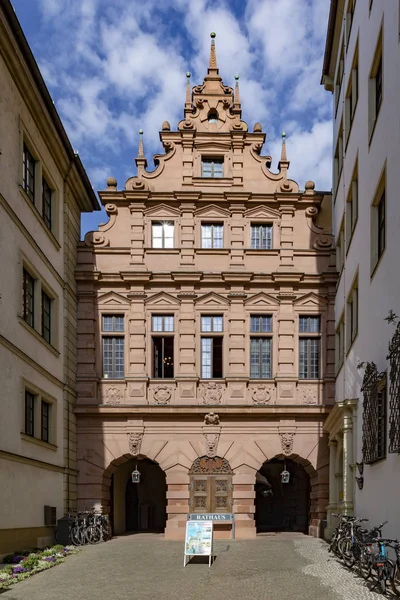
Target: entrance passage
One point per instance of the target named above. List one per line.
(282, 506)
(145, 502)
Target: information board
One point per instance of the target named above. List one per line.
(198, 540)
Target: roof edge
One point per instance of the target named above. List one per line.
(48, 102)
(329, 37)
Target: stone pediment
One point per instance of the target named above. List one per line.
(162, 211)
(163, 299)
(262, 212)
(212, 299)
(262, 299)
(212, 211)
(112, 298)
(312, 300)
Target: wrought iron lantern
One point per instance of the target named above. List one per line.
(285, 475)
(136, 475)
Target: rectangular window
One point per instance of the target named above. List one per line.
(349, 18)
(260, 324)
(352, 207)
(261, 358)
(375, 87)
(46, 317)
(211, 357)
(381, 214)
(162, 322)
(163, 357)
(261, 237)
(113, 323)
(113, 357)
(338, 160)
(162, 234)
(46, 203)
(212, 323)
(309, 347)
(212, 235)
(339, 76)
(28, 174)
(45, 425)
(113, 347)
(340, 249)
(212, 167)
(352, 315)
(29, 413)
(28, 302)
(339, 344)
(351, 95)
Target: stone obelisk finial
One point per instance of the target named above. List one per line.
(283, 163)
(140, 160)
(213, 57)
(188, 98)
(236, 97)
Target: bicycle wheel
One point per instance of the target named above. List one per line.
(75, 536)
(333, 544)
(395, 581)
(365, 565)
(93, 534)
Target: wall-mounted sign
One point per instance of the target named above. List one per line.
(216, 517)
(198, 540)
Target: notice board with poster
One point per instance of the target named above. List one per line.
(198, 540)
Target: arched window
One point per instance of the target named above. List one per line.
(210, 485)
(213, 116)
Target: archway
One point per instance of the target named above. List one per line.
(282, 506)
(135, 507)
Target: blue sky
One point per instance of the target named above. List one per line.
(113, 68)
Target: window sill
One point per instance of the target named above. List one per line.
(39, 337)
(37, 214)
(112, 379)
(38, 442)
(162, 251)
(262, 252)
(212, 180)
(215, 250)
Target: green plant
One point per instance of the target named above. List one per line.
(30, 562)
(57, 548)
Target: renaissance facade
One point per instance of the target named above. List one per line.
(206, 334)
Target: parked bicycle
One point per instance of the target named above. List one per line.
(88, 527)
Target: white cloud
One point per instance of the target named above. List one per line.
(114, 68)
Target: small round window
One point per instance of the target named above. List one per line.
(213, 116)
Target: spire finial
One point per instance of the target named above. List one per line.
(140, 160)
(188, 100)
(213, 56)
(236, 98)
(141, 149)
(283, 163)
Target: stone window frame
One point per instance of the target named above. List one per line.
(40, 286)
(263, 310)
(160, 310)
(305, 310)
(42, 172)
(210, 220)
(39, 396)
(272, 220)
(199, 154)
(151, 215)
(108, 309)
(197, 474)
(215, 310)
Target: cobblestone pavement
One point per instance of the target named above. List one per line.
(272, 567)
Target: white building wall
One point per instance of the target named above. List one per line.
(380, 292)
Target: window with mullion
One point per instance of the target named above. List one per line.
(261, 237)
(212, 168)
(212, 323)
(28, 307)
(162, 234)
(260, 323)
(212, 235)
(163, 357)
(211, 357)
(162, 322)
(29, 413)
(113, 357)
(45, 421)
(309, 358)
(28, 174)
(309, 324)
(46, 317)
(46, 203)
(113, 322)
(261, 358)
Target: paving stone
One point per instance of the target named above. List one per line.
(272, 567)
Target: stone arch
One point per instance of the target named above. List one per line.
(116, 488)
(318, 489)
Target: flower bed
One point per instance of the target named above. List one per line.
(21, 565)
